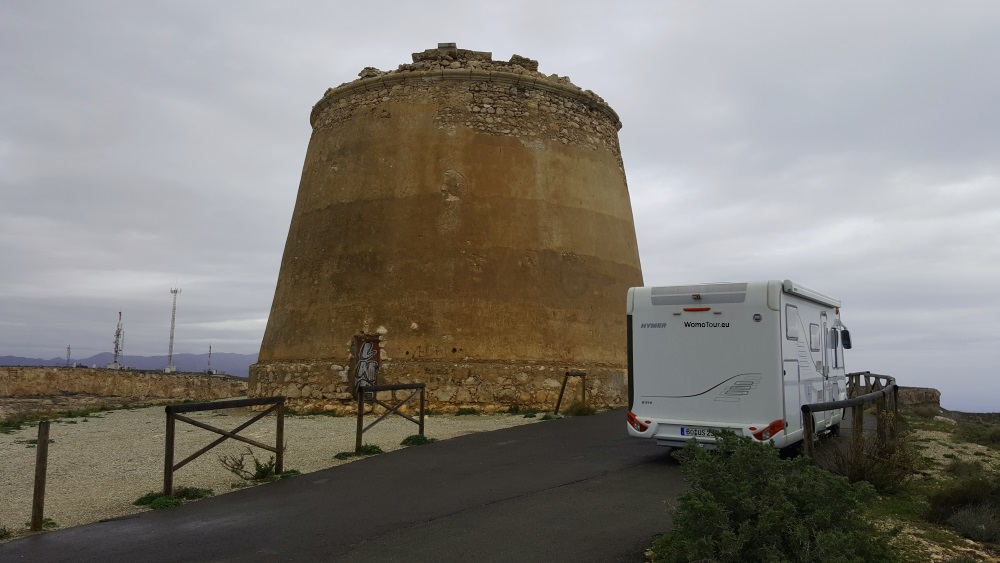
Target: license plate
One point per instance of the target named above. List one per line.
(697, 431)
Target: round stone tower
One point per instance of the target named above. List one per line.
(473, 216)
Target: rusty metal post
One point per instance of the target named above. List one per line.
(808, 432)
(361, 421)
(561, 391)
(279, 440)
(423, 389)
(41, 469)
(583, 389)
(168, 456)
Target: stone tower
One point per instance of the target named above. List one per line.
(474, 215)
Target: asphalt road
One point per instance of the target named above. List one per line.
(575, 489)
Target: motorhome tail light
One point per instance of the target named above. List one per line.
(697, 309)
(771, 430)
(634, 422)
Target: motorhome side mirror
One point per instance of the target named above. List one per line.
(845, 336)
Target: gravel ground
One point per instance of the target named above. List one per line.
(100, 464)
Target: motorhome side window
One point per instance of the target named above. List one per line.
(791, 322)
(814, 337)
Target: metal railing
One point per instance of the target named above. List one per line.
(373, 390)
(278, 404)
(880, 389)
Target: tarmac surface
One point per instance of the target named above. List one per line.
(573, 489)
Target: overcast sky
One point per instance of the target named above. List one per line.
(853, 147)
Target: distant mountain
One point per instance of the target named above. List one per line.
(231, 364)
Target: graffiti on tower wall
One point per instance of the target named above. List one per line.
(365, 355)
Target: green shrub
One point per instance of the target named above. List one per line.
(465, 411)
(748, 504)
(147, 498)
(5, 533)
(530, 415)
(343, 455)
(546, 416)
(580, 409)
(370, 449)
(514, 409)
(417, 440)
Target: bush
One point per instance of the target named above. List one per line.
(367, 449)
(978, 523)
(926, 412)
(747, 504)
(465, 411)
(237, 465)
(580, 409)
(165, 502)
(983, 434)
(965, 469)
(885, 463)
(969, 492)
(5, 533)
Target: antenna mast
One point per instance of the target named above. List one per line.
(173, 318)
(119, 343)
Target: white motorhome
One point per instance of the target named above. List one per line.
(732, 356)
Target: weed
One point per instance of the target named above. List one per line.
(949, 456)
(5, 533)
(289, 473)
(147, 498)
(959, 494)
(417, 440)
(192, 493)
(514, 409)
(546, 416)
(165, 502)
(32, 442)
(237, 465)
(18, 422)
(580, 409)
(47, 524)
(530, 415)
(464, 411)
(367, 449)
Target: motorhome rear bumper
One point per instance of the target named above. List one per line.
(678, 433)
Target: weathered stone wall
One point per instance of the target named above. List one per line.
(470, 212)
(17, 382)
(919, 397)
(487, 387)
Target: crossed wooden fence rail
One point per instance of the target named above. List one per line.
(173, 414)
(363, 396)
(880, 389)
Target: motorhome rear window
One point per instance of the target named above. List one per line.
(791, 322)
(707, 294)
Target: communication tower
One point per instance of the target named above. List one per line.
(119, 346)
(173, 318)
(67, 356)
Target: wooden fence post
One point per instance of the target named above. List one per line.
(168, 456)
(423, 388)
(361, 420)
(808, 430)
(279, 439)
(41, 469)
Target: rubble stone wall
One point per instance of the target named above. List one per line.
(18, 382)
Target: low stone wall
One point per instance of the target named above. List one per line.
(33, 382)
(486, 387)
